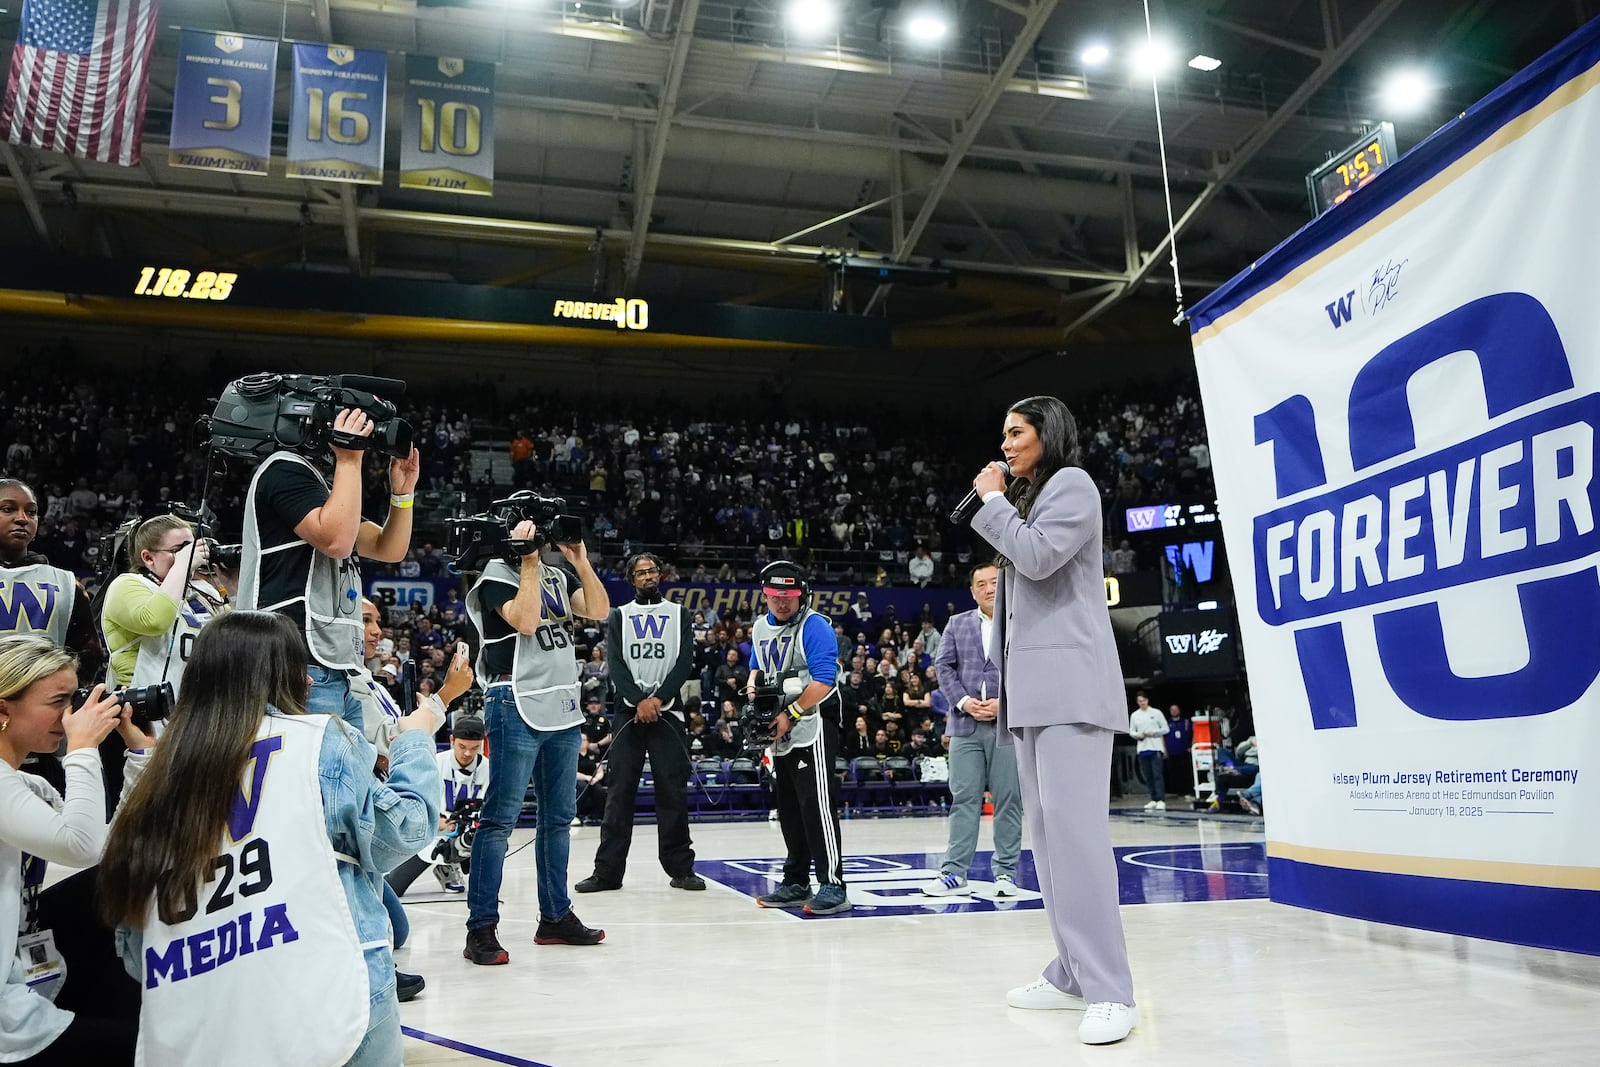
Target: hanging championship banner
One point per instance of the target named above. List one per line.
(449, 126)
(336, 119)
(1403, 401)
(222, 102)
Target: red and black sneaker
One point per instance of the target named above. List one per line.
(483, 948)
(567, 930)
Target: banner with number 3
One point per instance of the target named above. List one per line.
(336, 119)
(449, 126)
(222, 102)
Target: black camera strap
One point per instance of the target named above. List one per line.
(33, 868)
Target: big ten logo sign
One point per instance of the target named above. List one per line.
(402, 594)
(1517, 498)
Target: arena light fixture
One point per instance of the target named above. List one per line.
(928, 26)
(811, 18)
(1407, 92)
(1095, 54)
(1152, 58)
(1205, 62)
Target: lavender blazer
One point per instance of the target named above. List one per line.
(1053, 640)
(964, 667)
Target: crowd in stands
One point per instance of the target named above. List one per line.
(863, 499)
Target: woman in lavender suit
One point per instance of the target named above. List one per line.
(1061, 702)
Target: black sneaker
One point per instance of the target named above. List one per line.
(407, 986)
(483, 948)
(690, 881)
(595, 884)
(786, 896)
(567, 930)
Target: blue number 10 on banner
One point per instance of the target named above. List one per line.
(336, 120)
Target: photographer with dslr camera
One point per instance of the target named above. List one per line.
(650, 647)
(154, 610)
(303, 534)
(524, 615)
(795, 665)
(464, 773)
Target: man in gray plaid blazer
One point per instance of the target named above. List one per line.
(971, 683)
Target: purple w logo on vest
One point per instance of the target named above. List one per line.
(652, 626)
(775, 652)
(242, 815)
(24, 600)
(554, 592)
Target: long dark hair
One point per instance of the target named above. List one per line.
(1058, 446)
(167, 834)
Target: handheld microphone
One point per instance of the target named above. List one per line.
(969, 503)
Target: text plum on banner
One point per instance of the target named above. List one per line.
(1402, 421)
(222, 102)
(448, 128)
(337, 115)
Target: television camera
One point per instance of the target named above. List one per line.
(263, 413)
(474, 540)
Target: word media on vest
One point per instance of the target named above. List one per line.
(1515, 499)
(245, 932)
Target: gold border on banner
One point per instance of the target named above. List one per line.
(257, 164)
(1570, 92)
(367, 175)
(1541, 875)
(477, 185)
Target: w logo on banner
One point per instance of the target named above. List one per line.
(775, 652)
(649, 626)
(1339, 311)
(1520, 497)
(34, 603)
(242, 815)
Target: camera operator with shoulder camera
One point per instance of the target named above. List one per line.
(303, 534)
(153, 611)
(650, 647)
(524, 615)
(796, 663)
(464, 773)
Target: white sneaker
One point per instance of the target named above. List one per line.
(1105, 1023)
(1004, 886)
(950, 885)
(1150, 805)
(1040, 995)
(1161, 805)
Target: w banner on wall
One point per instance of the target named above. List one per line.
(336, 118)
(222, 102)
(1402, 401)
(448, 130)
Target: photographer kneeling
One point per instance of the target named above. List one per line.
(245, 865)
(464, 773)
(37, 683)
(153, 611)
(530, 675)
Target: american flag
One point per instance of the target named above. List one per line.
(78, 76)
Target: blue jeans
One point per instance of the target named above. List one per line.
(519, 755)
(1154, 774)
(399, 925)
(383, 1046)
(330, 695)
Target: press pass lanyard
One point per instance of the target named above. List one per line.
(32, 879)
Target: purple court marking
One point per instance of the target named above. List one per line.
(890, 883)
(471, 1050)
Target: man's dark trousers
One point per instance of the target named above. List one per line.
(665, 743)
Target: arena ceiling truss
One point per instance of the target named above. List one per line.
(699, 150)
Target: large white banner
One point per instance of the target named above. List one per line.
(1402, 403)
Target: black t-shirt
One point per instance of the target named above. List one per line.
(286, 494)
(499, 656)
